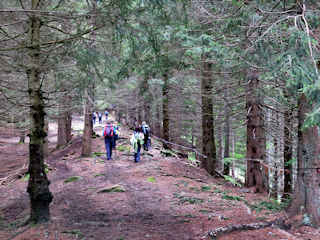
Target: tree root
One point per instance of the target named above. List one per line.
(214, 234)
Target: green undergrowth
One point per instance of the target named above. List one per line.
(270, 206)
(115, 188)
(123, 148)
(151, 179)
(72, 179)
(98, 154)
(187, 199)
(99, 175)
(76, 232)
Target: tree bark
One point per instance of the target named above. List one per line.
(64, 128)
(256, 145)
(165, 110)
(87, 132)
(208, 141)
(38, 185)
(226, 166)
(46, 140)
(147, 100)
(288, 153)
(306, 198)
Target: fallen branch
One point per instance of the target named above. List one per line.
(244, 227)
(16, 175)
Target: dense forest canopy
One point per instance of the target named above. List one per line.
(233, 85)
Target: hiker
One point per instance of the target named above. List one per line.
(100, 117)
(106, 113)
(108, 133)
(146, 132)
(136, 142)
(94, 118)
(116, 129)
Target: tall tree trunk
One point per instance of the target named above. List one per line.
(288, 153)
(208, 141)
(306, 198)
(147, 101)
(64, 128)
(274, 189)
(38, 185)
(87, 132)
(157, 122)
(165, 110)
(256, 145)
(46, 140)
(226, 167)
(69, 126)
(220, 158)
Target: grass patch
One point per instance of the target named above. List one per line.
(188, 199)
(204, 211)
(75, 232)
(98, 154)
(232, 180)
(123, 148)
(272, 206)
(115, 188)
(233, 198)
(151, 179)
(205, 188)
(72, 179)
(99, 175)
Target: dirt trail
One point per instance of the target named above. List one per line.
(158, 198)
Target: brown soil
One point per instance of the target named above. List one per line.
(164, 198)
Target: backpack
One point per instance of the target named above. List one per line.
(145, 130)
(108, 131)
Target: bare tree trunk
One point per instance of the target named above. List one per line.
(69, 126)
(157, 122)
(62, 131)
(87, 133)
(306, 198)
(46, 140)
(147, 100)
(38, 185)
(288, 153)
(220, 158)
(256, 146)
(165, 110)
(274, 189)
(226, 167)
(208, 141)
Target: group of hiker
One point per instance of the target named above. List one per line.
(140, 138)
(98, 115)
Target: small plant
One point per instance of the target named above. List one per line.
(115, 188)
(205, 188)
(229, 197)
(232, 180)
(97, 154)
(99, 175)
(151, 179)
(72, 179)
(75, 232)
(123, 148)
(271, 205)
(190, 200)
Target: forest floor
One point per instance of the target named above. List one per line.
(159, 198)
